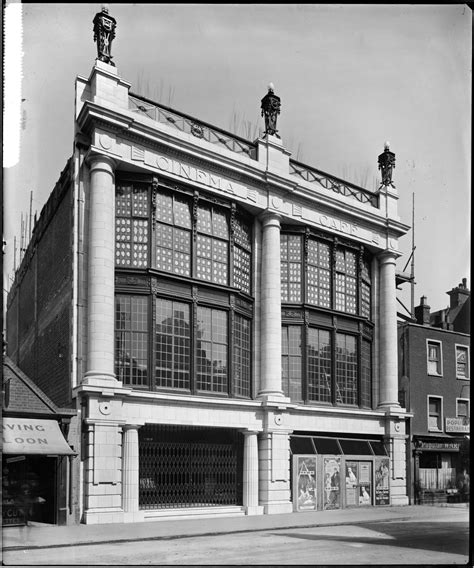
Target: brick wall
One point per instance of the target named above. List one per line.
(39, 331)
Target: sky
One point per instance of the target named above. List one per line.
(350, 77)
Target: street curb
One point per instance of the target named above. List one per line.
(199, 535)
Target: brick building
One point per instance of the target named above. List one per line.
(434, 369)
(223, 320)
(37, 484)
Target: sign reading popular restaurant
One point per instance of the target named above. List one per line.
(458, 425)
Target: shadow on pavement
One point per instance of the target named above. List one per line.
(451, 538)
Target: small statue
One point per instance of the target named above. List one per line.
(104, 33)
(386, 165)
(270, 110)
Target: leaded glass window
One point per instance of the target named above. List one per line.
(319, 365)
(291, 361)
(173, 234)
(346, 368)
(346, 281)
(131, 226)
(212, 245)
(291, 264)
(131, 339)
(242, 255)
(172, 344)
(365, 290)
(242, 356)
(319, 273)
(212, 346)
(366, 374)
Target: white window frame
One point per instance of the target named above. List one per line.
(441, 417)
(468, 406)
(440, 345)
(466, 347)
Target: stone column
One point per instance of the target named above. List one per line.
(250, 477)
(100, 278)
(270, 384)
(388, 342)
(130, 466)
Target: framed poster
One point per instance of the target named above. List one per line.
(365, 483)
(382, 489)
(305, 475)
(332, 483)
(351, 483)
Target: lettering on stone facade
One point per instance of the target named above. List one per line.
(337, 225)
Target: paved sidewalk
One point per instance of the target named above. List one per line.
(46, 536)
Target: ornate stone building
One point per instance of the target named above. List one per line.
(231, 337)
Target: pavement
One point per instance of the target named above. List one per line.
(36, 535)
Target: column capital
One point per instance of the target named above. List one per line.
(101, 162)
(134, 426)
(388, 256)
(270, 218)
(248, 432)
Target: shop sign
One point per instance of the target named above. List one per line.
(458, 425)
(12, 514)
(447, 446)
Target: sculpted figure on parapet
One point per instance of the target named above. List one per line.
(104, 33)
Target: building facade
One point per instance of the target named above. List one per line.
(230, 317)
(37, 462)
(435, 386)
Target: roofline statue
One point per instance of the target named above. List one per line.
(104, 33)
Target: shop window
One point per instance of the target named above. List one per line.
(435, 413)
(434, 360)
(462, 362)
(242, 355)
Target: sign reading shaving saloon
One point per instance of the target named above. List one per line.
(30, 436)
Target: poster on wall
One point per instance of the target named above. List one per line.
(365, 489)
(306, 483)
(351, 484)
(382, 491)
(332, 483)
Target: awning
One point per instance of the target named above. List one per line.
(33, 436)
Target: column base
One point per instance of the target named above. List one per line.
(98, 379)
(278, 508)
(254, 510)
(273, 397)
(399, 500)
(99, 516)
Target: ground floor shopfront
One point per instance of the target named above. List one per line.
(36, 472)
(440, 468)
(170, 457)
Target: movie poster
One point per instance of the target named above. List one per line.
(306, 471)
(382, 490)
(332, 483)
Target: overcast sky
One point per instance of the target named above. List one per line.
(349, 76)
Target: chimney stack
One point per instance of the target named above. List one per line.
(422, 312)
(459, 295)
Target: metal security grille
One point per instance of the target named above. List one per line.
(199, 467)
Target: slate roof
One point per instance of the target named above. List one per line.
(22, 397)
